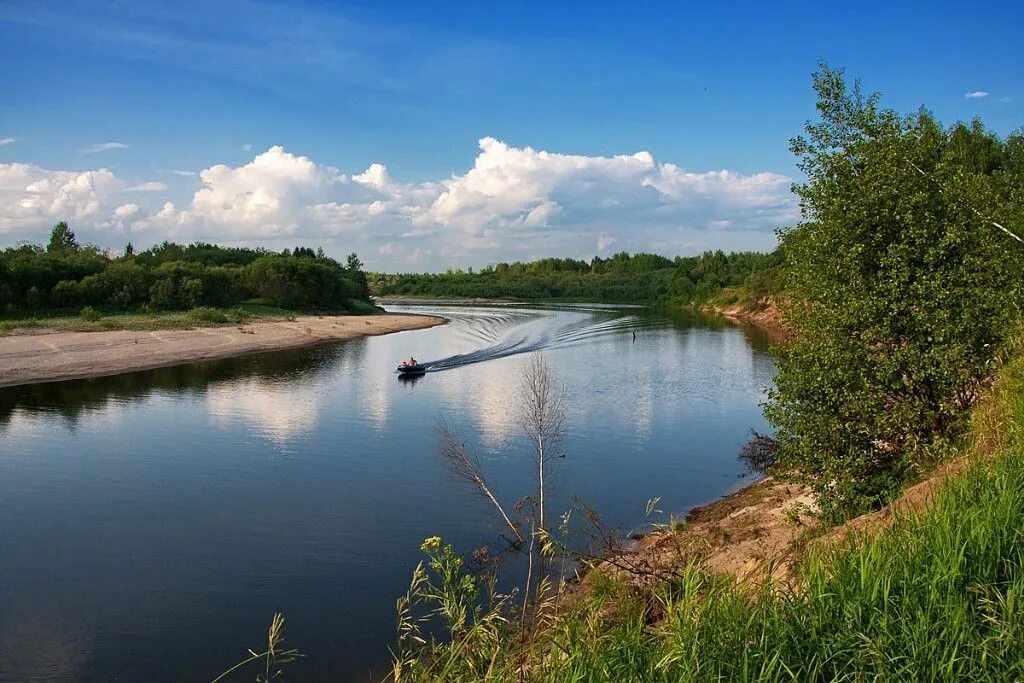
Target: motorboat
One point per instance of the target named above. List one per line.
(407, 368)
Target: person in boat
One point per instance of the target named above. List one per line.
(412, 361)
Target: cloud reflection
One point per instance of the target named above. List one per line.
(278, 411)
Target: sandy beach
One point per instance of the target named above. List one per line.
(52, 356)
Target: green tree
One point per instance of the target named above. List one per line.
(62, 239)
(901, 289)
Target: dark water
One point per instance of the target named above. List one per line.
(150, 524)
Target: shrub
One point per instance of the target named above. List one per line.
(900, 295)
(89, 314)
(239, 314)
(205, 314)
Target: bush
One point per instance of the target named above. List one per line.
(89, 314)
(361, 307)
(205, 314)
(899, 295)
(239, 314)
(66, 294)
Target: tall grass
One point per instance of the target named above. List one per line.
(937, 596)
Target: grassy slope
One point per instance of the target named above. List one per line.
(936, 595)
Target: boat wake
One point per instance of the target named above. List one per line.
(513, 332)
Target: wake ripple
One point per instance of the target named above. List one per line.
(510, 333)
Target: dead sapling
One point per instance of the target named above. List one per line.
(465, 465)
(542, 417)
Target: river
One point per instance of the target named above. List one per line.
(151, 523)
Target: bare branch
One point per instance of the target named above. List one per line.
(464, 465)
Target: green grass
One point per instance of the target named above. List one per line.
(92, 320)
(937, 596)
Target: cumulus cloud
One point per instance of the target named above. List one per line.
(976, 94)
(102, 147)
(126, 211)
(523, 186)
(33, 198)
(30, 196)
(512, 202)
(6, 141)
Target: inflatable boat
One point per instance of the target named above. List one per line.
(412, 369)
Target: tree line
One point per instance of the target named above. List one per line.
(622, 277)
(66, 275)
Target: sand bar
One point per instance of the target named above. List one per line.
(53, 356)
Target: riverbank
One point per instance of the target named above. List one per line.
(763, 313)
(49, 356)
(753, 587)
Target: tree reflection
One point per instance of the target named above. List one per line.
(74, 398)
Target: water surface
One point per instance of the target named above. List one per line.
(151, 523)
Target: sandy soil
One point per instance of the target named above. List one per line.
(753, 530)
(766, 316)
(765, 528)
(47, 357)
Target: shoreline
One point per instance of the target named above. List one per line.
(60, 356)
(765, 317)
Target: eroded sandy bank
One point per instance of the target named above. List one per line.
(53, 356)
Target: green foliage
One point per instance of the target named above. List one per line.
(272, 660)
(62, 239)
(622, 277)
(464, 606)
(174, 277)
(205, 314)
(900, 291)
(362, 307)
(89, 314)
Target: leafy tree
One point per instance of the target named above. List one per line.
(62, 239)
(172, 276)
(900, 290)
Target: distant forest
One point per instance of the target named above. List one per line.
(66, 275)
(622, 277)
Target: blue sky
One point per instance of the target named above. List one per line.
(280, 109)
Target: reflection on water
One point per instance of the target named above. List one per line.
(72, 400)
(170, 511)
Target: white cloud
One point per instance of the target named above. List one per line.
(184, 174)
(511, 203)
(509, 185)
(6, 141)
(376, 176)
(271, 196)
(151, 186)
(976, 94)
(102, 147)
(31, 197)
(126, 211)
